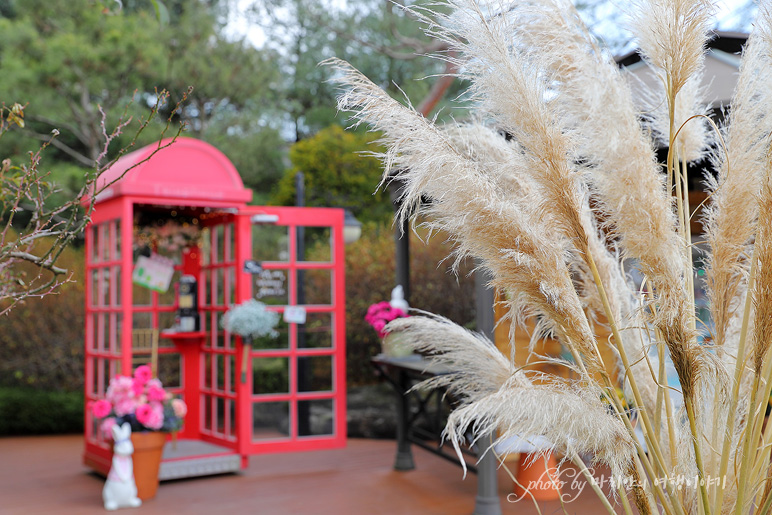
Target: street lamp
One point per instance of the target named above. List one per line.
(352, 228)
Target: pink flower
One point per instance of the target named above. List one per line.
(151, 415)
(119, 389)
(379, 314)
(158, 416)
(125, 406)
(101, 408)
(155, 394)
(179, 407)
(137, 387)
(106, 427)
(143, 374)
(373, 309)
(144, 412)
(378, 325)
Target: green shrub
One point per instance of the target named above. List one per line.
(41, 339)
(338, 172)
(370, 277)
(33, 412)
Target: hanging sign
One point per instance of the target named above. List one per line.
(252, 267)
(154, 272)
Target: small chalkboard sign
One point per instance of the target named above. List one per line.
(271, 283)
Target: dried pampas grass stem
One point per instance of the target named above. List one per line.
(553, 211)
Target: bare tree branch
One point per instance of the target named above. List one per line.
(59, 125)
(37, 260)
(64, 148)
(49, 231)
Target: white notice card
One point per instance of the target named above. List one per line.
(295, 315)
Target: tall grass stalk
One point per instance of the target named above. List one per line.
(558, 211)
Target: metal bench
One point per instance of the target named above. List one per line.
(420, 422)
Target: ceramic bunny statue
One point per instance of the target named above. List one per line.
(398, 299)
(120, 490)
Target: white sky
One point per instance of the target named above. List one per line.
(729, 17)
(239, 25)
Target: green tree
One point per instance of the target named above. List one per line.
(227, 76)
(68, 61)
(337, 174)
(384, 42)
(66, 73)
(258, 152)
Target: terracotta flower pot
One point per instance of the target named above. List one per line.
(537, 478)
(148, 448)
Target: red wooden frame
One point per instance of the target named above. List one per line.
(292, 218)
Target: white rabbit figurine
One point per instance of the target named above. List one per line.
(120, 490)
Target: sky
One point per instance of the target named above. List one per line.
(732, 15)
(240, 26)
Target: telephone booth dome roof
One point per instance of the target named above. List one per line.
(186, 169)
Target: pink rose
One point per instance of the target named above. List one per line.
(125, 406)
(179, 407)
(151, 415)
(143, 414)
(119, 389)
(143, 374)
(101, 408)
(106, 427)
(371, 311)
(157, 419)
(137, 387)
(155, 394)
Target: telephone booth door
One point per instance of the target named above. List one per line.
(284, 392)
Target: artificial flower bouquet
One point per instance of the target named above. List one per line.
(380, 314)
(392, 344)
(141, 401)
(250, 320)
(167, 235)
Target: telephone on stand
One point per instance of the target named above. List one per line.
(187, 302)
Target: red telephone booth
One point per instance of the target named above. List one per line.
(187, 205)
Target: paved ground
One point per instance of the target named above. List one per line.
(41, 475)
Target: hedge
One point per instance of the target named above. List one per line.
(29, 412)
